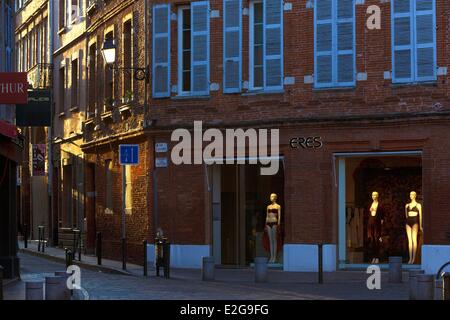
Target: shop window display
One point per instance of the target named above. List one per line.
(379, 224)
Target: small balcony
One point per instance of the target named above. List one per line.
(40, 76)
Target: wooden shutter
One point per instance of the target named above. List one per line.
(232, 47)
(200, 48)
(402, 42)
(161, 51)
(323, 33)
(345, 46)
(273, 44)
(425, 40)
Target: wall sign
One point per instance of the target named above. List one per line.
(161, 147)
(13, 87)
(38, 160)
(161, 163)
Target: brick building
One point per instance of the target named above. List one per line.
(10, 150)
(69, 95)
(377, 99)
(33, 56)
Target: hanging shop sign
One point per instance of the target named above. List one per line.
(38, 159)
(36, 112)
(13, 87)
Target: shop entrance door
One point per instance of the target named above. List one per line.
(240, 196)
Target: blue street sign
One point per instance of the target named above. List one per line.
(129, 154)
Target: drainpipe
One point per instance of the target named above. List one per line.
(50, 130)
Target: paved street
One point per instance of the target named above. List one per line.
(230, 284)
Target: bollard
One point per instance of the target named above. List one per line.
(54, 289)
(34, 290)
(261, 269)
(446, 287)
(39, 239)
(69, 257)
(1, 283)
(413, 283)
(145, 258)
(320, 262)
(25, 236)
(425, 287)
(99, 248)
(438, 287)
(208, 265)
(395, 269)
(64, 287)
(124, 254)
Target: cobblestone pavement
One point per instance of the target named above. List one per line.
(234, 284)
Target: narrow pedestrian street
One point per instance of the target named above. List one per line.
(230, 284)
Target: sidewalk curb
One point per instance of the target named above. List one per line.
(78, 263)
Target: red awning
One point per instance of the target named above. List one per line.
(8, 129)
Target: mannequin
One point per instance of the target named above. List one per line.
(413, 211)
(273, 220)
(374, 227)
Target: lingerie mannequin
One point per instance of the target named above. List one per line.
(374, 228)
(413, 211)
(273, 219)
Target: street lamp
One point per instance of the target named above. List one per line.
(109, 55)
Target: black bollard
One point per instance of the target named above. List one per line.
(124, 254)
(320, 264)
(43, 238)
(99, 248)
(25, 236)
(145, 258)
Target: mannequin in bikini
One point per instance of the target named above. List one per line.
(273, 219)
(374, 227)
(413, 211)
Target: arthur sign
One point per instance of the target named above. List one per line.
(13, 88)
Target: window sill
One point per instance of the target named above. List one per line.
(399, 85)
(187, 97)
(89, 122)
(62, 115)
(125, 108)
(262, 92)
(343, 89)
(74, 109)
(61, 31)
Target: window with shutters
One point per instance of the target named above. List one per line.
(62, 89)
(232, 44)
(193, 49)
(92, 84)
(62, 14)
(266, 45)
(413, 40)
(334, 44)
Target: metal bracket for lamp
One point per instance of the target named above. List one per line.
(109, 56)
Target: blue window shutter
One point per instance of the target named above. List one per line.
(273, 44)
(323, 43)
(425, 40)
(345, 43)
(402, 41)
(232, 47)
(200, 47)
(161, 51)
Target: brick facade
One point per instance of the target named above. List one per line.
(375, 115)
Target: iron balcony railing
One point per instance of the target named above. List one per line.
(41, 76)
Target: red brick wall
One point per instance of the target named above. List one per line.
(407, 120)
